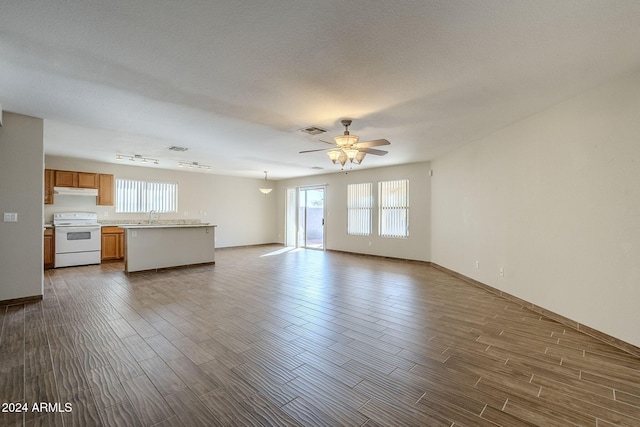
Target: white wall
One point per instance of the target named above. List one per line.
(415, 247)
(244, 216)
(21, 192)
(555, 201)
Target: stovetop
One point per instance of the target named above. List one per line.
(69, 219)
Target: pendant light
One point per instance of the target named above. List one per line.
(266, 190)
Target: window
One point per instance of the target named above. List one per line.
(393, 220)
(359, 208)
(141, 196)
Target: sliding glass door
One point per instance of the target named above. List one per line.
(291, 218)
(304, 217)
(311, 217)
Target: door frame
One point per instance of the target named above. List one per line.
(298, 229)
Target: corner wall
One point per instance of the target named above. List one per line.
(554, 200)
(21, 192)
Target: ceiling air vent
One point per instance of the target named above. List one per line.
(313, 130)
(176, 148)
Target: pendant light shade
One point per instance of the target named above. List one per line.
(334, 155)
(265, 190)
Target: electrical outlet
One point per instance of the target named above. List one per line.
(477, 265)
(134, 233)
(501, 271)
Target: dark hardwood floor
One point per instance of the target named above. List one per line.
(270, 337)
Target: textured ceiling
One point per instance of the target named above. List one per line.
(235, 81)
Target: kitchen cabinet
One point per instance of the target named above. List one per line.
(112, 243)
(76, 179)
(49, 179)
(66, 179)
(103, 182)
(49, 248)
(105, 190)
(87, 180)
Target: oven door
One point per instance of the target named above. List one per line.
(84, 238)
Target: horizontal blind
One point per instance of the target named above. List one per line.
(359, 209)
(134, 196)
(393, 220)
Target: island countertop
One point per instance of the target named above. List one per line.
(155, 246)
(138, 226)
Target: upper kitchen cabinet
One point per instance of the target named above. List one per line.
(105, 190)
(76, 179)
(66, 179)
(87, 180)
(104, 183)
(49, 179)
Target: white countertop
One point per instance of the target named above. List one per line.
(164, 225)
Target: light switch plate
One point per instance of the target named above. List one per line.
(10, 217)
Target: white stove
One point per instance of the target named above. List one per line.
(77, 238)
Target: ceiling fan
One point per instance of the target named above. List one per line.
(348, 148)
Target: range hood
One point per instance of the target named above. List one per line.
(71, 191)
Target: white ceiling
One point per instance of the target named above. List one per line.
(234, 81)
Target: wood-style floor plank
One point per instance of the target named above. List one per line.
(301, 338)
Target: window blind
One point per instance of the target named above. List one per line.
(393, 213)
(134, 196)
(359, 209)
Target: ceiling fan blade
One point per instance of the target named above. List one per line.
(373, 151)
(374, 143)
(311, 151)
(327, 142)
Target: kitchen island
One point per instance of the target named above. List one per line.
(154, 246)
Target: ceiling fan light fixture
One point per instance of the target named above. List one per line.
(348, 147)
(334, 155)
(346, 140)
(351, 154)
(342, 158)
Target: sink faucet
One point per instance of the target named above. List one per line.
(150, 212)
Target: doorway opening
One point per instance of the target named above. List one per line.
(305, 213)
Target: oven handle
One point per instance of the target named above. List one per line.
(67, 229)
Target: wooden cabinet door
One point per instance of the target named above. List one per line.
(49, 178)
(121, 245)
(112, 243)
(49, 250)
(87, 180)
(109, 246)
(66, 179)
(105, 190)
